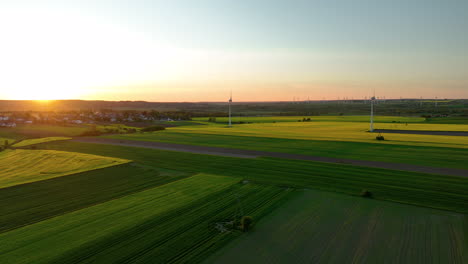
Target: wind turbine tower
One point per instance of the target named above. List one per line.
(230, 101)
(372, 114)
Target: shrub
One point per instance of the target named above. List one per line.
(365, 193)
(246, 223)
(152, 128)
(380, 138)
(91, 133)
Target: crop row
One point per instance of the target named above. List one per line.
(319, 227)
(443, 192)
(29, 203)
(398, 153)
(173, 222)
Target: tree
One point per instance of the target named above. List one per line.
(246, 222)
(152, 128)
(365, 193)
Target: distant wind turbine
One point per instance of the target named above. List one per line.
(230, 101)
(372, 113)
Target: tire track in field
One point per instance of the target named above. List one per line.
(242, 153)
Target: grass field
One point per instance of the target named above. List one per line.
(427, 190)
(448, 120)
(23, 166)
(272, 119)
(174, 222)
(317, 227)
(7, 134)
(29, 142)
(28, 131)
(33, 202)
(375, 151)
(2, 140)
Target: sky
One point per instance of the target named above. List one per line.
(261, 50)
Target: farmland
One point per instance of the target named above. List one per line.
(3, 140)
(437, 191)
(29, 142)
(33, 202)
(233, 132)
(317, 227)
(141, 228)
(274, 119)
(65, 201)
(23, 166)
(330, 118)
(329, 139)
(35, 131)
(337, 131)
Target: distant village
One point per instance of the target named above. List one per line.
(13, 119)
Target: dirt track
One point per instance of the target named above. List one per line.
(240, 153)
(423, 132)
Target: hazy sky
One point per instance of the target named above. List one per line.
(263, 50)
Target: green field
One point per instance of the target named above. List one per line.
(449, 157)
(444, 192)
(7, 134)
(23, 166)
(33, 202)
(172, 223)
(63, 201)
(348, 140)
(317, 227)
(2, 140)
(273, 119)
(29, 142)
(28, 131)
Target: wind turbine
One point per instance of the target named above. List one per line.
(230, 101)
(372, 113)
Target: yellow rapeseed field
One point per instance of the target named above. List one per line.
(28, 142)
(22, 166)
(338, 131)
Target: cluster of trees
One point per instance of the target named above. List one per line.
(152, 128)
(89, 116)
(185, 111)
(6, 144)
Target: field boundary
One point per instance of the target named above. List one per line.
(423, 132)
(241, 153)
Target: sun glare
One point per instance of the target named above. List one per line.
(60, 55)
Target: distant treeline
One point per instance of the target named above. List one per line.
(183, 111)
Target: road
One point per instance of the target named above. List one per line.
(241, 153)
